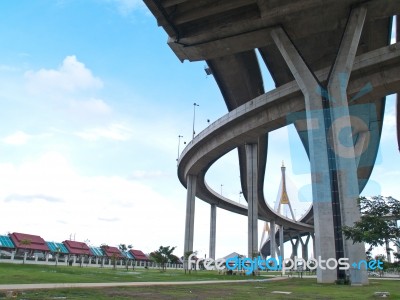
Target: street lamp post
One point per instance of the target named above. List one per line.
(179, 143)
(194, 116)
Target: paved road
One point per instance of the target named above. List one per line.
(13, 287)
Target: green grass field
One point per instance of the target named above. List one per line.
(299, 288)
(12, 273)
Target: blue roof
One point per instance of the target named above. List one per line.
(57, 247)
(128, 255)
(96, 251)
(6, 242)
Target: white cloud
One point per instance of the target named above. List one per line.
(103, 208)
(71, 76)
(116, 132)
(109, 219)
(17, 138)
(31, 198)
(7, 68)
(147, 174)
(92, 106)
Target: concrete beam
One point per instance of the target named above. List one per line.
(196, 11)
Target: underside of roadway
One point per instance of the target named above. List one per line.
(227, 34)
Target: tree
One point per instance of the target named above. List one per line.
(125, 249)
(162, 256)
(185, 260)
(377, 225)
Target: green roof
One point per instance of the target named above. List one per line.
(96, 251)
(57, 247)
(5, 242)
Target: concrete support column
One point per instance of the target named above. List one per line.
(47, 256)
(190, 209)
(304, 247)
(398, 118)
(313, 245)
(295, 247)
(213, 228)
(272, 241)
(333, 163)
(316, 131)
(281, 242)
(252, 197)
(345, 152)
(398, 95)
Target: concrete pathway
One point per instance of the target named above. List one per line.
(13, 287)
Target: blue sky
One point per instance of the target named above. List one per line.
(92, 103)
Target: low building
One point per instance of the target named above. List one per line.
(29, 242)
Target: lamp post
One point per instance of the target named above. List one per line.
(179, 143)
(221, 188)
(240, 194)
(194, 116)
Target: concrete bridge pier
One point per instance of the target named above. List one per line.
(281, 243)
(190, 208)
(304, 247)
(272, 241)
(320, 177)
(295, 246)
(333, 163)
(252, 197)
(313, 245)
(346, 152)
(213, 229)
(398, 95)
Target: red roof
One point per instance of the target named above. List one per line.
(112, 251)
(139, 255)
(34, 242)
(77, 248)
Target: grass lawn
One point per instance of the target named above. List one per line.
(13, 273)
(299, 288)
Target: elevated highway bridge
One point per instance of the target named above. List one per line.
(315, 51)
